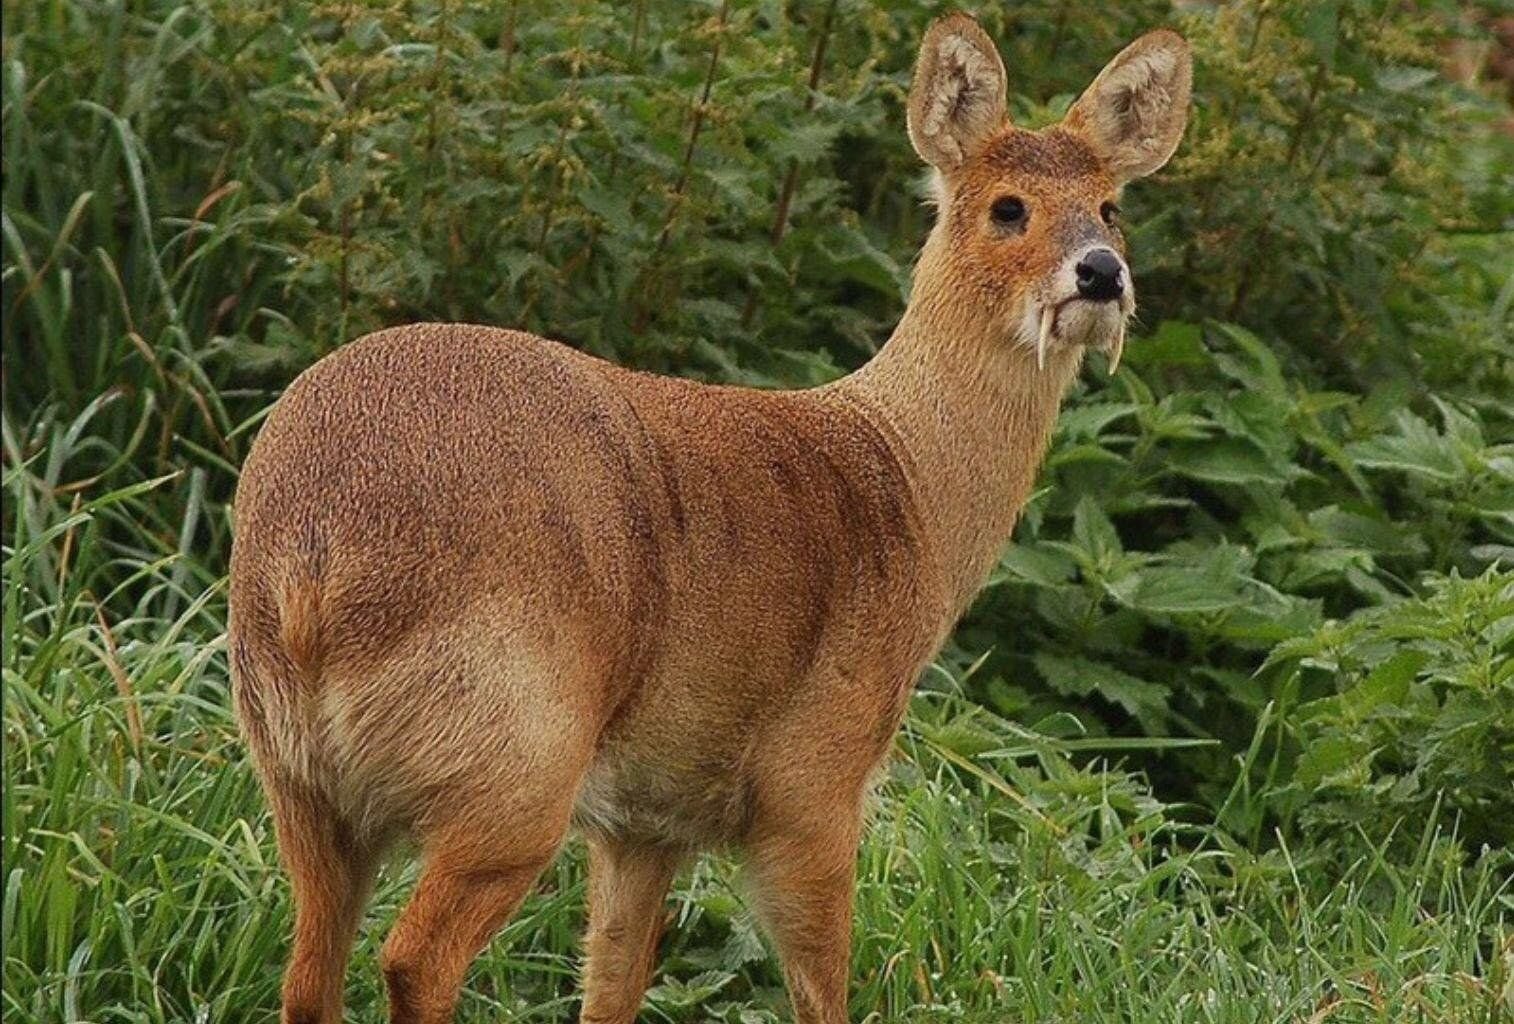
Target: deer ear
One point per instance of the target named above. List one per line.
(957, 100)
(1135, 111)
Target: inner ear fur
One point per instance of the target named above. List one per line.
(957, 101)
(1134, 113)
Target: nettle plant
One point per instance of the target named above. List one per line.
(1423, 720)
(1183, 532)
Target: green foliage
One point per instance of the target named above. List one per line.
(1419, 712)
(1269, 565)
(1258, 514)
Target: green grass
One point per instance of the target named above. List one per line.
(1001, 880)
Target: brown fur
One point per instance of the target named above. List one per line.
(485, 586)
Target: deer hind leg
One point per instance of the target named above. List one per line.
(627, 886)
(458, 905)
(330, 873)
(479, 865)
(476, 874)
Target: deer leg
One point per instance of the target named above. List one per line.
(479, 865)
(627, 886)
(465, 894)
(330, 875)
(802, 877)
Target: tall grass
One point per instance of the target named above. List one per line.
(1000, 880)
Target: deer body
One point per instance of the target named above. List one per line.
(485, 587)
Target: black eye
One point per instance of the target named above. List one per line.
(1110, 212)
(1008, 212)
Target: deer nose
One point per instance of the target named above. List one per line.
(1099, 276)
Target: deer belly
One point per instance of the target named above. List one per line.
(695, 804)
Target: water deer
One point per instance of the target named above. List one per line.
(487, 590)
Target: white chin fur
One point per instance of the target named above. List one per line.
(1077, 323)
(1088, 323)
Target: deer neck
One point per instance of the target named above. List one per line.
(971, 414)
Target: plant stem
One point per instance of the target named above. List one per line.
(680, 188)
(791, 180)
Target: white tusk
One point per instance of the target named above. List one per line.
(1043, 340)
(1116, 347)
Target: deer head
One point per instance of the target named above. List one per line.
(1028, 221)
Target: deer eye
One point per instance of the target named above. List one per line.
(1110, 212)
(1008, 212)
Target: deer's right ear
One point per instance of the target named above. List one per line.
(958, 97)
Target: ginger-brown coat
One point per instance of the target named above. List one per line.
(485, 587)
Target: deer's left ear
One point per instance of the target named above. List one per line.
(1135, 111)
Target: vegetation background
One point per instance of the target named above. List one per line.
(1228, 737)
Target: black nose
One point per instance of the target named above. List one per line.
(1099, 276)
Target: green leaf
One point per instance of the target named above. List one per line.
(1253, 365)
(1084, 454)
(1087, 421)
(805, 142)
(1037, 564)
(1321, 26)
(1416, 449)
(1227, 461)
(1094, 533)
(1332, 761)
(1175, 343)
(1213, 581)
(1387, 684)
(1079, 677)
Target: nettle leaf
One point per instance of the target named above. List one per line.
(1035, 563)
(1084, 454)
(1493, 502)
(1333, 760)
(1253, 366)
(1386, 686)
(844, 251)
(1168, 590)
(1087, 421)
(1165, 422)
(1404, 79)
(1321, 27)
(1079, 677)
(1370, 532)
(673, 993)
(1174, 343)
(1215, 581)
(744, 944)
(1270, 620)
(611, 206)
(1094, 533)
(963, 735)
(1229, 461)
(1460, 427)
(1263, 420)
(806, 142)
(1416, 449)
(1331, 564)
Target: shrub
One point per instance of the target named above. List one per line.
(1417, 719)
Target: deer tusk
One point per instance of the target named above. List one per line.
(1043, 340)
(1116, 347)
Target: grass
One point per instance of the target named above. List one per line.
(1002, 880)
